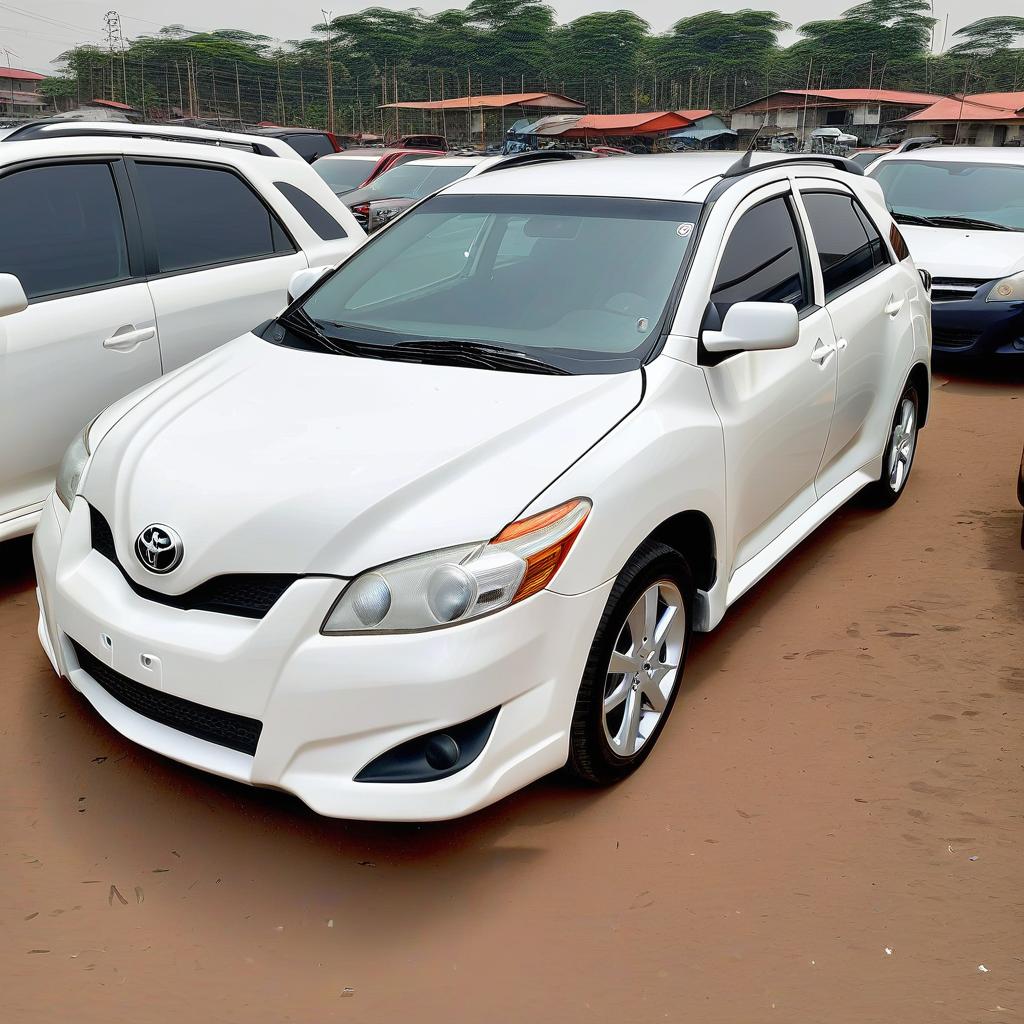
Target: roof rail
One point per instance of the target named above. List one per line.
(536, 157)
(68, 129)
(921, 142)
(744, 165)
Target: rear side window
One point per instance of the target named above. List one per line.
(848, 244)
(204, 216)
(763, 260)
(61, 229)
(309, 144)
(312, 212)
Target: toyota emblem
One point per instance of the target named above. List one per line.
(159, 548)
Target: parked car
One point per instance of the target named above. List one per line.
(866, 157)
(435, 143)
(961, 210)
(125, 252)
(447, 523)
(355, 168)
(400, 187)
(309, 143)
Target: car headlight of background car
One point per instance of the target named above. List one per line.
(72, 466)
(1009, 289)
(455, 584)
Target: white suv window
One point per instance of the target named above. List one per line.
(61, 229)
(204, 216)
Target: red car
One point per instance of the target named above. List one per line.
(355, 168)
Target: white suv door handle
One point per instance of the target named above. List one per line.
(127, 337)
(841, 343)
(894, 305)
(822, 352)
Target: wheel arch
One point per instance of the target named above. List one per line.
(918, 376)
(692, 534)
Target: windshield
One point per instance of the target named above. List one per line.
(411, 180)
(581, 282)
(345, 173)
(981, 192)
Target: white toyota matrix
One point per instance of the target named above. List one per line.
(447, 523)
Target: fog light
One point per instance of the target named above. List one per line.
(441, 752)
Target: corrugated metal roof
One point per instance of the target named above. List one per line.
(21, 76)
(992, 106)
(824, 96)
(495, 101)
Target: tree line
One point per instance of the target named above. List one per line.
(611, 60)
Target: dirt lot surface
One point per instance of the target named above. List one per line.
(829, 831)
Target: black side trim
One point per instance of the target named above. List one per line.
(250, 595)
(222, 727)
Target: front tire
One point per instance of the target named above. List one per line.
(636, 661)
(900, 449)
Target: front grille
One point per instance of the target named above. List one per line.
(251, 595)
(221, 727)
(954, 289)
(953, 338)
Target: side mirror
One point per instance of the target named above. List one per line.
(302, 280)
(12, 295)
(755, 327)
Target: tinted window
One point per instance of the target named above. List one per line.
(61, 229)
(309, 145)
(762, 261)
(201, 216)
(412, 180)
(841, 235)
(312, 212)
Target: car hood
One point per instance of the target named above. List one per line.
(955, 252)
(274, 460)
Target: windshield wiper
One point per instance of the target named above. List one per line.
(911, 218)
(969, 222)
(472, 353)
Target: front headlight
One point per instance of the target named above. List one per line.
(1010, 289)
(441, 588)
(72, 466)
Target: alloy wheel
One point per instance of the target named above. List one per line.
(644, 667)
(901, 445)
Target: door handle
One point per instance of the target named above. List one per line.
(894, 305)
(822, 352)
(125, 338)
(841, 343)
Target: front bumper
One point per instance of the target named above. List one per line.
(328, 705)
(974, 327)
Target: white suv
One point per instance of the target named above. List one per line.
(126, 251)
(447, 523)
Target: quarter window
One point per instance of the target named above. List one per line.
(848, 244)
(309, 145)
(312, 212)
(203, 216)
(763, 260)
(61, 229)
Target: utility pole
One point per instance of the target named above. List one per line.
(328, 15)
(112, 21)
(280, 94)
(238, 95)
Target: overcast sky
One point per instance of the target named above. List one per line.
(35, 31)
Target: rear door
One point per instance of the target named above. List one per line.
(68, 231)
(219, 258)
(867, 297)
(775, 406)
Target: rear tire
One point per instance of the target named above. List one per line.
(644, 634)
(900, 448)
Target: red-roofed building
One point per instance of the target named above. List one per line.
(983, 119)
(19, 93)
(870, 114)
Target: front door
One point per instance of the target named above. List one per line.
(775, 406)
(88, 336)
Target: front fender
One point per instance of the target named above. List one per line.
(666, 457)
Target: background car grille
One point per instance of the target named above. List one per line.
(954, 289)
(221, 727)
(953, 337)
(251, 595)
